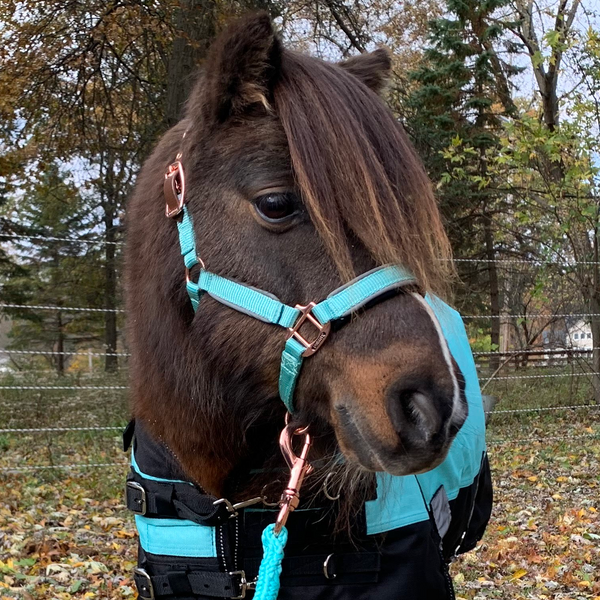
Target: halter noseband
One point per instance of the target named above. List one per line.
(268, 308)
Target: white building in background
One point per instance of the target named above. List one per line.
(579, 336)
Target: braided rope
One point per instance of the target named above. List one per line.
(267, 587)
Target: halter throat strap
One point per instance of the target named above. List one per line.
(268, 308)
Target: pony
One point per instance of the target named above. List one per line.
(298, 178)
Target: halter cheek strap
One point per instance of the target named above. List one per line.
(268, 308)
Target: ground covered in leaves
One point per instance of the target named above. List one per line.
(66, 534)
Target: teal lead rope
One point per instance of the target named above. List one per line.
(269, 572)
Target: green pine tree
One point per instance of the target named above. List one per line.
(461, 92)
(53, 272)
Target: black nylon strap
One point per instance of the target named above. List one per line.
(172, 500)
(206, 583)
(338, 564)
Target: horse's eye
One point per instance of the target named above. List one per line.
(276, 207)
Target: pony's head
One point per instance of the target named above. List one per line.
(298, 178)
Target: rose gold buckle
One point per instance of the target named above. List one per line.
(174, 189)
(299, 467)
(323, 330)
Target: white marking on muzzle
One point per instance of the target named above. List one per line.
(457, 406)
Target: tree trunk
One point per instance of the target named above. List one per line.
(494, 288)
(60, 345)
(111, 363)
(195, 22)
(595, 310)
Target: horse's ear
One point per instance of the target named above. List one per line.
(372, 68)
(240, 70)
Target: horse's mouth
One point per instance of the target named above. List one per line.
(361, 446)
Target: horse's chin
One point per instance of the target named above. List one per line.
(364, 450)
(374, 463)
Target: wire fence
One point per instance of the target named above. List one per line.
(498, 260)
(63, 387)
(62, 308)
(575, 352)
(537, 350)
(72, 395)
(66, 467)
(523, 316)
(124, 465)
(58, 429)
(31, 430)
(62, 353)
(587, 374)
(47, 238)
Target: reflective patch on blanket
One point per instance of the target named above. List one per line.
(440, 507)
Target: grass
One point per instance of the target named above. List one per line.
(66, 534)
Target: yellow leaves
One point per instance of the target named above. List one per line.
(531, 524)
(518, 574)
(122, 533)
(542, 541)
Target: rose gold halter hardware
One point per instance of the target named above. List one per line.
(323, 330)
(174, 188)
(174, 185)
(299, 467)
(188, 276)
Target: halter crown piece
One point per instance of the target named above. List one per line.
(266, 307)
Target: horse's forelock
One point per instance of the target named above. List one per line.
(358, 173)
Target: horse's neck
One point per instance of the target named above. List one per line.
(262, 465)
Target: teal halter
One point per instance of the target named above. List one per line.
(266, 307)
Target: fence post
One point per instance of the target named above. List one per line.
(90, 362)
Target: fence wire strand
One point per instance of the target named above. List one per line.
(466, 317)
(52, 353)
(573, 352)
(498, 261)
(67, 467)
(543, 408)
(558, 353)
(534, 316)
(63, 387)
(530, 261)
(57, 429)
(547, 376)
(534, 440)
(66, 308)
(26, 430)
(77, 466)
(43, 238)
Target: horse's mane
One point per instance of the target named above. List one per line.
(358, 173)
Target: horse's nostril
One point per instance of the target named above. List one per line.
(413, 413)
